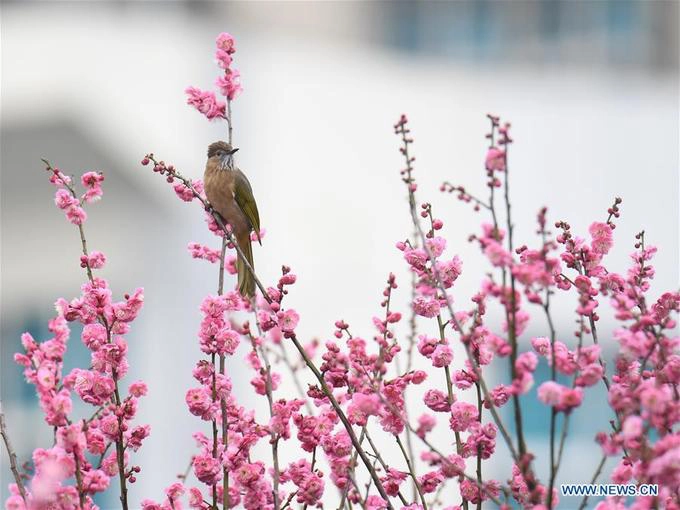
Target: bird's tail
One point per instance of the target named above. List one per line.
(246, 281)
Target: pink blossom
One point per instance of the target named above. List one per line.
(92, 181)
(550, 393)
(497, 255)
(196, 499)
(136, 436)
(526, 362)
(571, 398)
(226, 42)
(426, 307)
(185, 193)
(362, 406)
(94, 388)
(463, 415)
(200, 403)
(259, 382)
(430, 481)
(393, 480)
(207, 469)
(310, 484)
(481, 441)
(495, 159)
(542, 346)
(417, 257)
(288, 321)
(436, 245)
(223, 59)
(94, 336)
(249, 473)
(442, 356)
(427, 345)
(453, 466)
(590, 375)
(109, 426)
(76, 215)
(96, 481)
(230, 83)
(72, 438)
(449, 271)
(426, 422)
(224, 341)
(500, 395)
(601, 234)
(206, 103)
(64, 200)
(282, 411)
(436, 400)
(94, 260)
(138, 389)
(622, 473)
(376, 503)
(632, 428)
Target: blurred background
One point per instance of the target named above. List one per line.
(591, 89)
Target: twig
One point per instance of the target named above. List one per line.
(290, 498)
(376, 452)
(449, 393)
(411, 472)
(598, 471)
(12, 456)
(79, 478)
(214, 426)
(512, 326)
(296, 379)
(183, 477)
(223, 403)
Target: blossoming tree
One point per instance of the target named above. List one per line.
(361, 385)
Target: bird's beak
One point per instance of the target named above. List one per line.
(233, 151)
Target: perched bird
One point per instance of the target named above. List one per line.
(230, 194)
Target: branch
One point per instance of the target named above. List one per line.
(120, 445)
(440, 285)
(343, 418)
(598, 471)
(12, 456)
(411, 472)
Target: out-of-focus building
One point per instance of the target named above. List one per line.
(591, 89)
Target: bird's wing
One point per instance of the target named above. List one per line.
(243, 194)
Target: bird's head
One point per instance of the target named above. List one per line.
(223, 154)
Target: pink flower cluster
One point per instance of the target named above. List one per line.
(66, 198)
(199, 251)
(66, 476)
(206, 103)
(229, 83)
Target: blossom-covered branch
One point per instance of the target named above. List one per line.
(104, 322)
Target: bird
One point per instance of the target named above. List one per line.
(230, 194)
